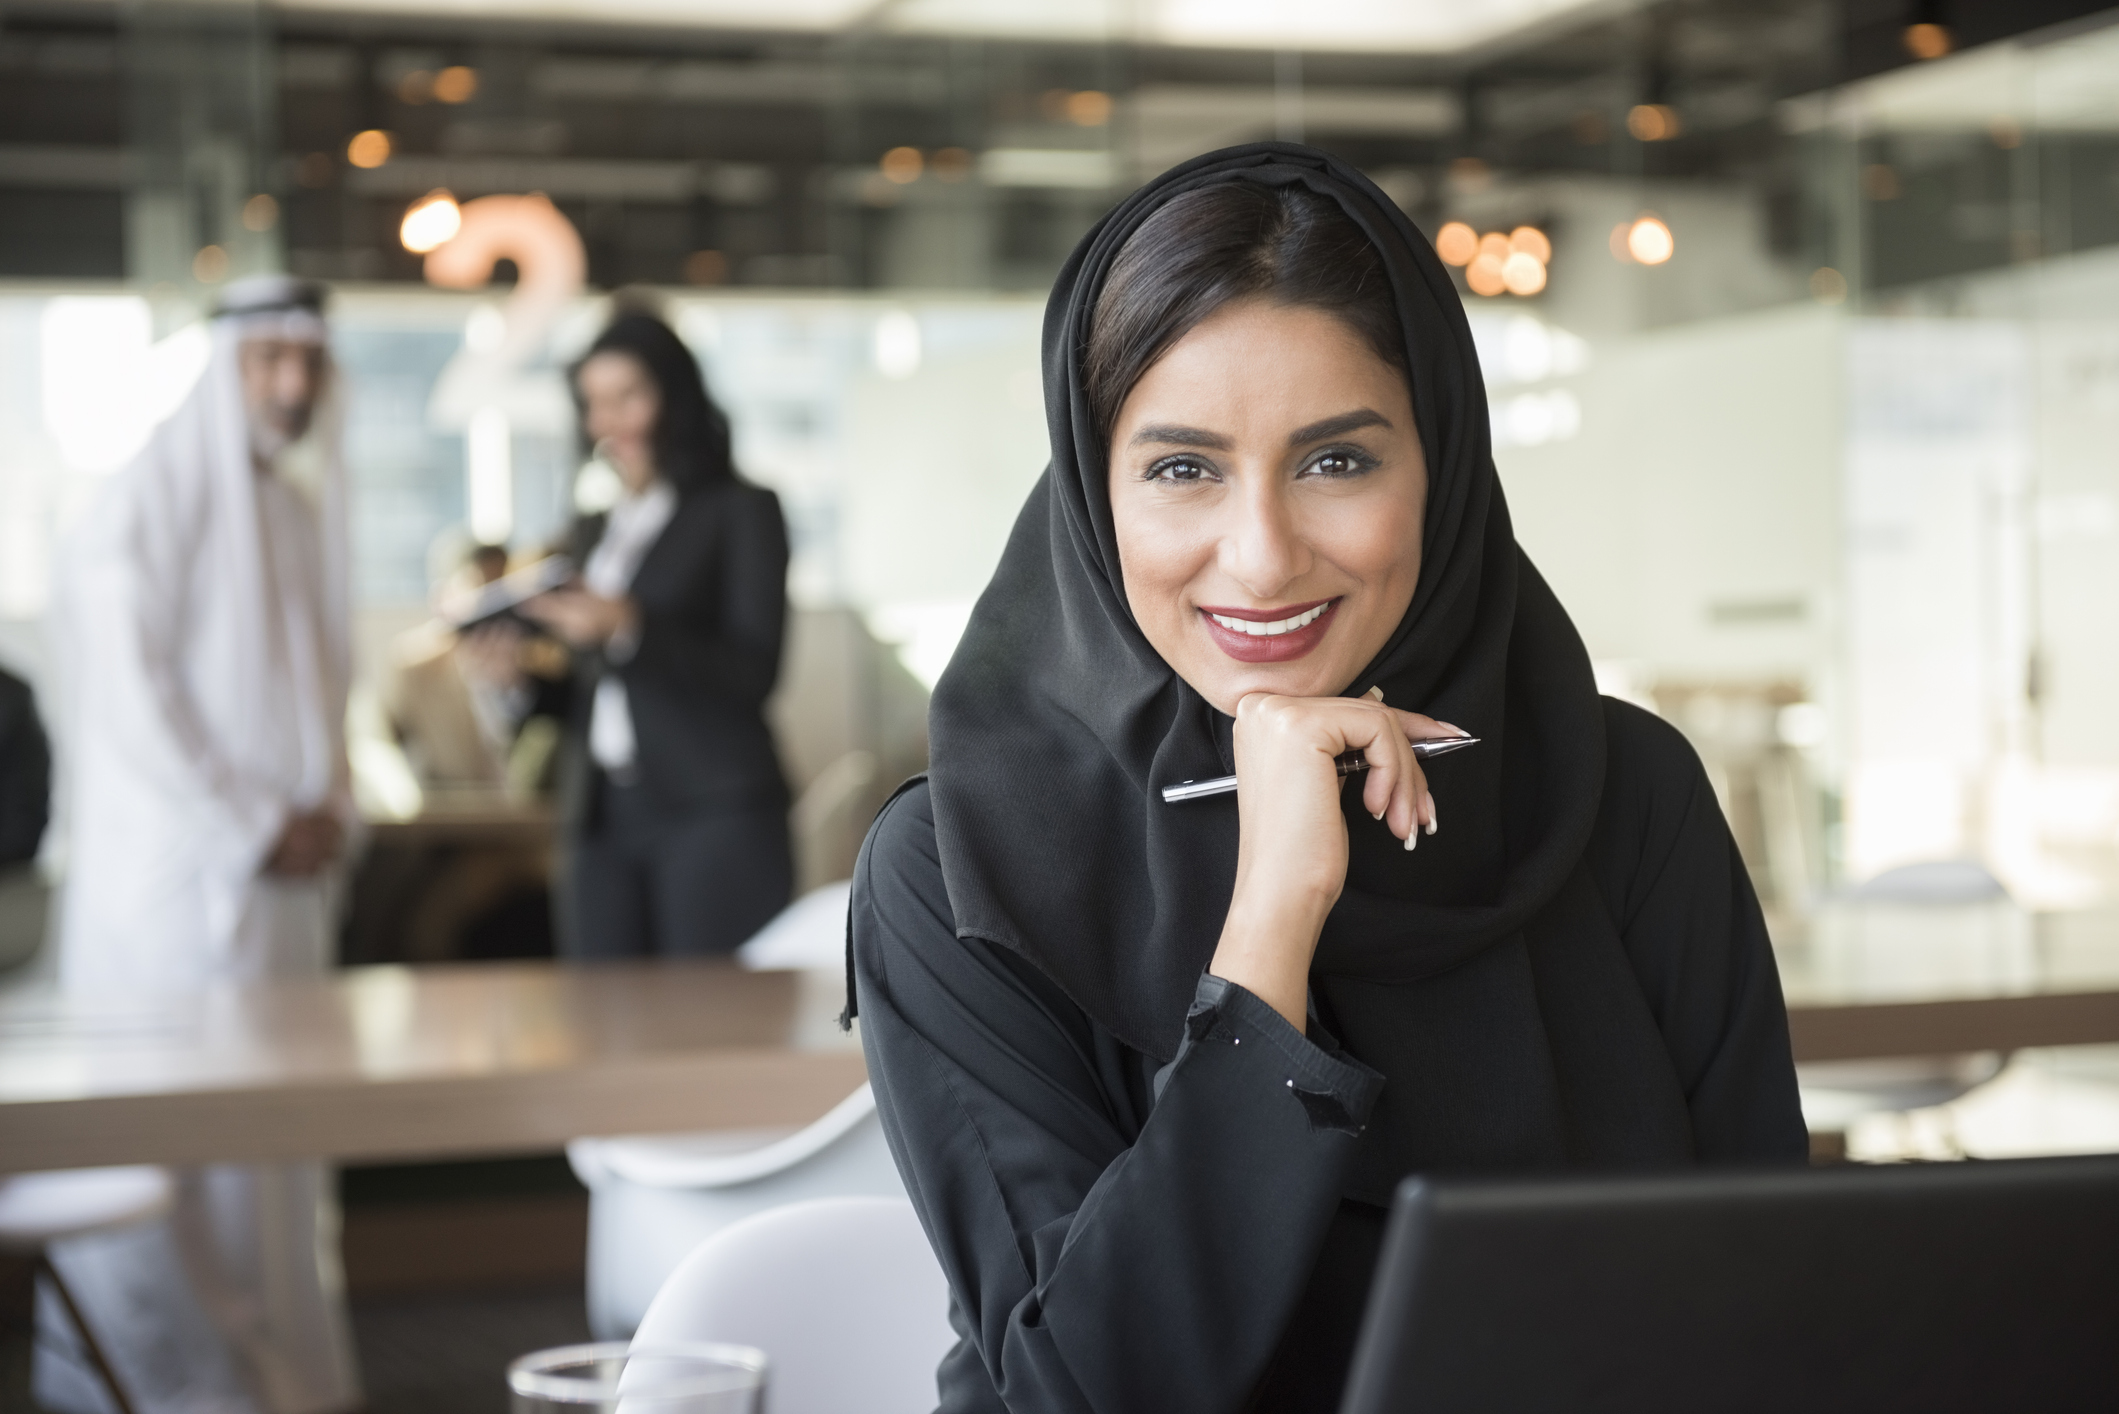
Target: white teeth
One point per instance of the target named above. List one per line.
(1276, 627)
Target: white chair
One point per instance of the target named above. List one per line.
(653, 1199)
(843, 1295)
(38, 1209)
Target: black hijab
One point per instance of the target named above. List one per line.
(1056, 723)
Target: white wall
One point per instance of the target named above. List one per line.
(1691, 525)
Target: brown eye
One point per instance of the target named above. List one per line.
(1338, 462)
(1180, 471)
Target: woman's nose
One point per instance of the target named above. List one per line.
(1262, 547)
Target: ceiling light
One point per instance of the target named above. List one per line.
(456, 84)
(432, 222)
(1091, 108)
(1523, 273)
(1457, 243)
(902, 165)
(369, 149)
(1531, 241)
(1928, 41)
(1485, 275)
(1653, 122)
(1649, 241)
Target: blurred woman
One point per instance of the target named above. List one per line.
(676, 811)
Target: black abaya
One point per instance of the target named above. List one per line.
(1123, 1237)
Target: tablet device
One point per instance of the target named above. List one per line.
(511, 591)
(1938, 1288)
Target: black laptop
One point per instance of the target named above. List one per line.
(1922, 1288)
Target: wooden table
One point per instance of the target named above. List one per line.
(1879, 1030)
(378, 1063)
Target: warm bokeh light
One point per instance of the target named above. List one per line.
(1828, 286)
(210, 265)
(1485, 275)
(1649, 241)
(1879, 182)
(456, 84)
(1532, 242)
(1929, 41)
(1471, 174)
(951, 164)
(902, 164)
(1494, 246)
(1457, 243)
(433, 220)
(261, 213)
(1653, 122)
(706, 267)
(1523, 273)
(370, 148)
(1091, 108)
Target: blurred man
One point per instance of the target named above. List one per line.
(203, 627)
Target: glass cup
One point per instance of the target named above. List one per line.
(612, 1377)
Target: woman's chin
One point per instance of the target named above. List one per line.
(1224, 684)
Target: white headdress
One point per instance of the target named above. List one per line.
(177, 624)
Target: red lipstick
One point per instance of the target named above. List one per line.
(1281, 647)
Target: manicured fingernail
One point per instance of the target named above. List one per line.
(1452, 726)
(1412, 839)
(1374, 692)
(1434, 820)
(1378, 814)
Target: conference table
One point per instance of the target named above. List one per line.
(418, 1062)
(460, 1060)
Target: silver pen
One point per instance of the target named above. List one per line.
(1351, 764)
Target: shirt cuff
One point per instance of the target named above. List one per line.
(1338, 1091)
(621, 646)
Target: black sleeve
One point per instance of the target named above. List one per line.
(725, 642)
(1094, 1262)
(1682, 899)
(25, 772)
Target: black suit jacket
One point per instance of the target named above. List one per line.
(25, 772)
(712, 592)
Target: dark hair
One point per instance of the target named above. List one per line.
(691, 432)
(1231, 241)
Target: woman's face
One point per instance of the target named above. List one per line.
(1267, 486)
(622, 403)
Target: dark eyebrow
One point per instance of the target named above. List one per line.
(1171, 434)
(1337, 426)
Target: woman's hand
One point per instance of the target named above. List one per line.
(583, 619)
(1292, 853)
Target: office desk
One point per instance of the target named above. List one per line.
(376, 1063)
(1877, 981)
(380, 1063)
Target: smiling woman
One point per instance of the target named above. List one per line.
(1153, 1071)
